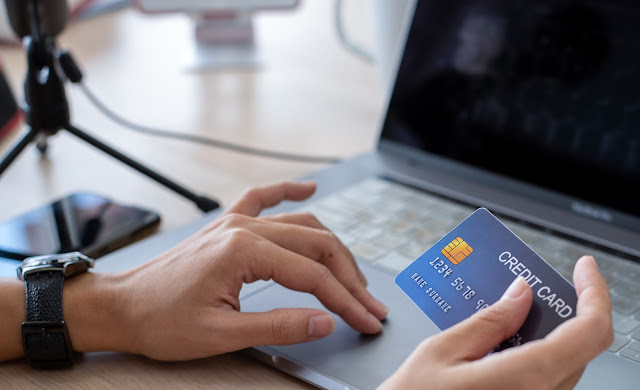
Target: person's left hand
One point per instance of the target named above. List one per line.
(457, 357)
(184, 303)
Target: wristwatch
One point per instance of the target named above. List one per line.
(45, 338)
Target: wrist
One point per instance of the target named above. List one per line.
(94, 306)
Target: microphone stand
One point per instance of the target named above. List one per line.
(46, 109)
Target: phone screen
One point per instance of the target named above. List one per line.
(83, 222)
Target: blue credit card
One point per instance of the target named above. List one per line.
(473, 265)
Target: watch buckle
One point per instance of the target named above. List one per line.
(50, 359)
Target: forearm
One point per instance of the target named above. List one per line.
(12, 313)
(94, 308)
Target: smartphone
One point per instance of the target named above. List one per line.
(81, 221)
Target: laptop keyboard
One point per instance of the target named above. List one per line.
(390, 225)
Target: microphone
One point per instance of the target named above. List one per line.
(49, 18)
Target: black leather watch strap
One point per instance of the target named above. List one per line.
(45, 338)
(44, 296)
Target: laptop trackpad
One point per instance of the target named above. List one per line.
(359, 360)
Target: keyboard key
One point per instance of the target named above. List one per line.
(367, 232)
(361, 199)
(389, 209)
(433, 228)
(611, 276)
(400, 226)
(414, 249)
(631, 354)
(367, 252)
(394, 262)
(426, 236)
(627, 288)
(338, 203)
(619, 341)
(624, 324)
(623, 304)
(417, 216)
(635, 345)
(636, 334)
(366, 216)
(391, 240)
(631, 270)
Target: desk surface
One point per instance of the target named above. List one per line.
(310, 96)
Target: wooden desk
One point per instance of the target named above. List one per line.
(311, 96)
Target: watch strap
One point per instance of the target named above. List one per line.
(44, 296)
(45, 337)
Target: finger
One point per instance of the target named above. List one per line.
(315, 244)
(309, 220)
(592, 289)
(476, 336)
(266, 260)
(522, 367)
(572, 345)
(256, 199)
(582, 338)
(278, 327)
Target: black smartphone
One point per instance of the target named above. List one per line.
(81, 221)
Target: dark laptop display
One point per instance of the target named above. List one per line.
(546, 92)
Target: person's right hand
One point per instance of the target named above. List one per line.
(184, 303)
(457, 357)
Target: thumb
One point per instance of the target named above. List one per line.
(281, 327)
(476, 336)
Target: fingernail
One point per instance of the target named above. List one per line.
(382, 309)
(363, 278)
(517, 288)
(591, 259)
(320, 326)
(375, 322)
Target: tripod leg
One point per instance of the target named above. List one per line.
(17, 148)
(42, 144)
(203, 203)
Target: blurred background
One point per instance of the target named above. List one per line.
(316, 85)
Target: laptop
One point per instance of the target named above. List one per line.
(528, 108)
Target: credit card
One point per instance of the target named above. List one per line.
(473, 265)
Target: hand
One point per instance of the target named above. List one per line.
(184, 303)
(456, 358)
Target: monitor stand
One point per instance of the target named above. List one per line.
(223, 40)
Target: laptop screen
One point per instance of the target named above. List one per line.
(546, 92)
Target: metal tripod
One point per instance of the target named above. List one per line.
(47, 111)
